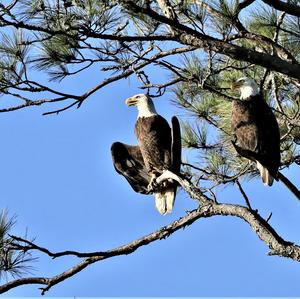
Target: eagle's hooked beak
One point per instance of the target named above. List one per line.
(236, 85)
(131, 101)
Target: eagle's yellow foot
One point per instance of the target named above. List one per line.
(152, 185)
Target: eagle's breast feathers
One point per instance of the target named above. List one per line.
(154, 139)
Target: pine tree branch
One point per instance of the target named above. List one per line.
(261, 227)
(167, 9)
(79, 99)
(33, 103)
(243, 4)
(289, 8)
(83, 31)
(189, 36)
(254, 37)
(208, 208)
(131, 71)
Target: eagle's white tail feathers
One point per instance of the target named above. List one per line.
(265, 174)
(164, 200)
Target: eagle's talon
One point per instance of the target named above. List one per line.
(150, 188)
(152, 184)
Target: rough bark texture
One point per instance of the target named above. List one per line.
(191, 37)
(207, 208)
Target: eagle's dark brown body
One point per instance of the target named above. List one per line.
(256, 133)
(154, 139)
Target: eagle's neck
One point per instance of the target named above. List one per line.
(146, 109)
(249, 91)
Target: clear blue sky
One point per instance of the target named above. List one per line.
(56, 175)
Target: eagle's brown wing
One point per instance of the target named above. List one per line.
(128, 161)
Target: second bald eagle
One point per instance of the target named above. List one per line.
(255, 130)
(158, 149)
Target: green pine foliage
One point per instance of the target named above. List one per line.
(207, 98)
(13, 261)
(78, 34)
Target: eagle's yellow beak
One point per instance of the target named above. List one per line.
(131, 101)
(236, 85)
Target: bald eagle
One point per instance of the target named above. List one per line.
(255, 130)
(158, 149)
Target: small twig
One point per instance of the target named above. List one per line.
(63, 109)
(244, 194)
(269, 217)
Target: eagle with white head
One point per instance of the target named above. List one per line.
(255, 130)
(158, 149)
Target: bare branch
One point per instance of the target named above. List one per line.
(79, 99)
(208, 208)
(243, 194)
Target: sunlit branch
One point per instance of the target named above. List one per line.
(207, 208)
(194, 38)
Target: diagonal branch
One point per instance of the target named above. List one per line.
(243, 194)
(243, 4)
(289, 185)
(189, 36)
(79, 99)
(208, 208)
(122, 250)
(85, 32)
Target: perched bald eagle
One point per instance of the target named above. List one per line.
(158, 149)
(255, 130)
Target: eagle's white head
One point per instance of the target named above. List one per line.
(143, 103)
(246, 86)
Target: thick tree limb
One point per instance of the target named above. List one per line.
(189, 36)
(208, 208)
(262, 228)
(254, 37)
(122, 250)
(289, 8)
(85, 32)
(244, 4)
(167, 9)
